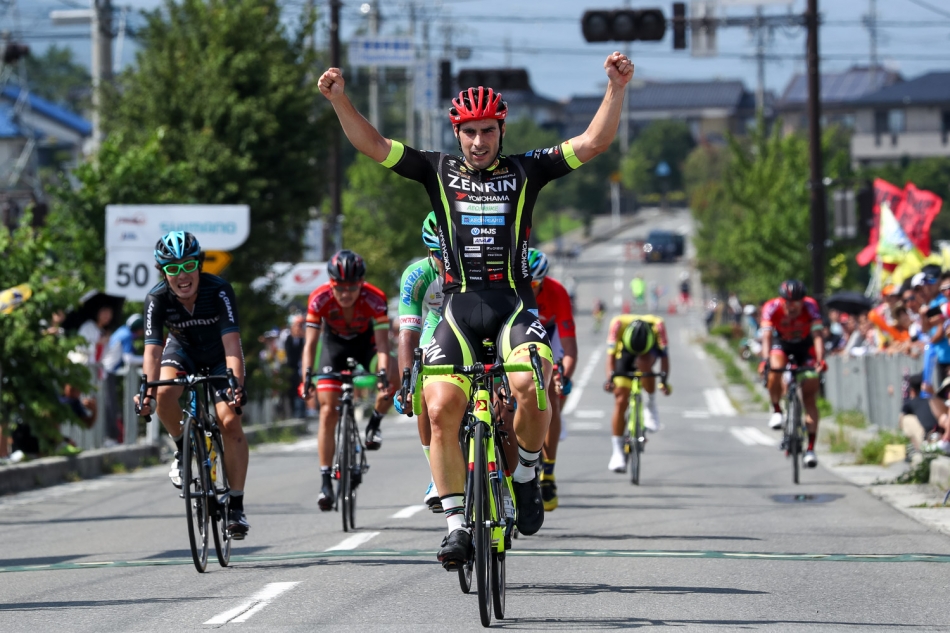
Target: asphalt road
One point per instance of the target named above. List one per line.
(713, 539)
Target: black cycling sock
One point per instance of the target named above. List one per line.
(375, 419)
(179, 442)
(237, 500)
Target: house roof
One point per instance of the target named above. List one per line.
(934, 87)
(838, 88)
(50, 110)
(9, 129)
(680, 95)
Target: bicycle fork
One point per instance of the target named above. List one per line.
(501, 517)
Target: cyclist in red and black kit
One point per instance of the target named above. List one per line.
(483, 201)
(557, 317)
(352, 316)
(791, 330)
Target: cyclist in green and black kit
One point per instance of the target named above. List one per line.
(420, 290)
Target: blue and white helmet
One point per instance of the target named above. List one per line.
(176, 245)
(537, 264)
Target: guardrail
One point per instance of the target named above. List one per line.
(870, 384)
(258, 412)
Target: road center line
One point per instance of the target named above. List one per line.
(575, 398)
(739, 432)
(718, 402)
(352, 542)
(407, 512)
(258, 601)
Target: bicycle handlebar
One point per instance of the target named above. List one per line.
(188, 380)
(412, 380)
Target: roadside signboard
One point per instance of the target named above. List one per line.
(382, 51)
(132, 230)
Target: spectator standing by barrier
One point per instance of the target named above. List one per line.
(293, 355)
(119, 354)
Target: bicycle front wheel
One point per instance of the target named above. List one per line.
(220, 500)
(194, 490)
(482, 528)
(636, 442)
(795, 436)
(345, 464)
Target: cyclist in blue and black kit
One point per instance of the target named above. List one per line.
(200, 313)
(483, 201)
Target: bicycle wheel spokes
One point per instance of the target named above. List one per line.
(345, 473)
(194, 490)
(482, 528)
(220, 501)
(795, 437)
(356, 471)
(636, 441)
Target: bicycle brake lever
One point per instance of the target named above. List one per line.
(234, 386)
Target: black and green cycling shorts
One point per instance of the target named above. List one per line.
(508, 317)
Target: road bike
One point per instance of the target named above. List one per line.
(794, 436)
(634, 435)
(349, 460)
(489, 502)
(204, 477)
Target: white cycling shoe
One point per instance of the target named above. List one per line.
(618, 463)
(810, 459)
(174, 473)
(776, 421)
(651, 419)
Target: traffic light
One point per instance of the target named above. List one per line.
(499, 79)
(623, 25)
(679, 26)
(445, 80)
(14, 51)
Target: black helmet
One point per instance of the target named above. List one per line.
(346, 267)
(638, 338)
(792, 290)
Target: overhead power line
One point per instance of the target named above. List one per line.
(930, 7)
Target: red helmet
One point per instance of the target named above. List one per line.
(477, 103)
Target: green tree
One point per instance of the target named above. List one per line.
(56, 77)
(661, 141)
(753, 227)
(34, 365)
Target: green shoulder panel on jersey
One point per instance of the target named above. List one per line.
(395, 153)
(412, 286)
(572, 160)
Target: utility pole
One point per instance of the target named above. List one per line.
(819, 223)
(870, 20)
(333, 234)
(374, 70)
(411, 81)
(760, 62)
(625, 111)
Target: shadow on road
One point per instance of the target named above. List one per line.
(93, 604)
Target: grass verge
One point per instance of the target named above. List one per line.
(873, 451)
(838, 441)
(274, 435)
(734, 374)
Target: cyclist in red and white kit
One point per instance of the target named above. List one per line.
(353, 317)
(791, 330)
(557, 317)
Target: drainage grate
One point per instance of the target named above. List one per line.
(806, 498)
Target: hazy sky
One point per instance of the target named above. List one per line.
(544, 36)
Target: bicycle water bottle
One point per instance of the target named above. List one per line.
(212, 457)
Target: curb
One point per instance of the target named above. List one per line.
(940, 473)
(47, 471)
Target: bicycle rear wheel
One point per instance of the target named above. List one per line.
(344, 451)
(194, 490)
(482, 528)
(220, 501)
(795, 436)
(356, 471)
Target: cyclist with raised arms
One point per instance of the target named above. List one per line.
(634, 343)
(353, 317)
(420, 293)
(484, 202)
(791, 330)
(557, 317)
(200, 312)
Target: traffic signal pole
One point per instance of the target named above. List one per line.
(819, 212)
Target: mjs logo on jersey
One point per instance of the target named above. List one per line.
(483, 220)
(483, 232)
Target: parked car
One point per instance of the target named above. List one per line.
(663, 246)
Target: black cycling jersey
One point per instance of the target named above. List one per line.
(484, 216)
(199, 331)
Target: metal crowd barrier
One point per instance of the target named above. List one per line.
(870, 384)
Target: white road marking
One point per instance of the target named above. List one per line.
(700, 353)
(574, 399)
(352, 542)
(718, 402)
(257, 602)
(407, 512)
(586, 426)
(760, 437)
(590, 414)
(710, 428)
(739, 433)
(697, 414)
(618, 285)
(618, 271)
(618, 301)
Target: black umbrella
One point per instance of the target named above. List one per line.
(89, 307)
(849, 302)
